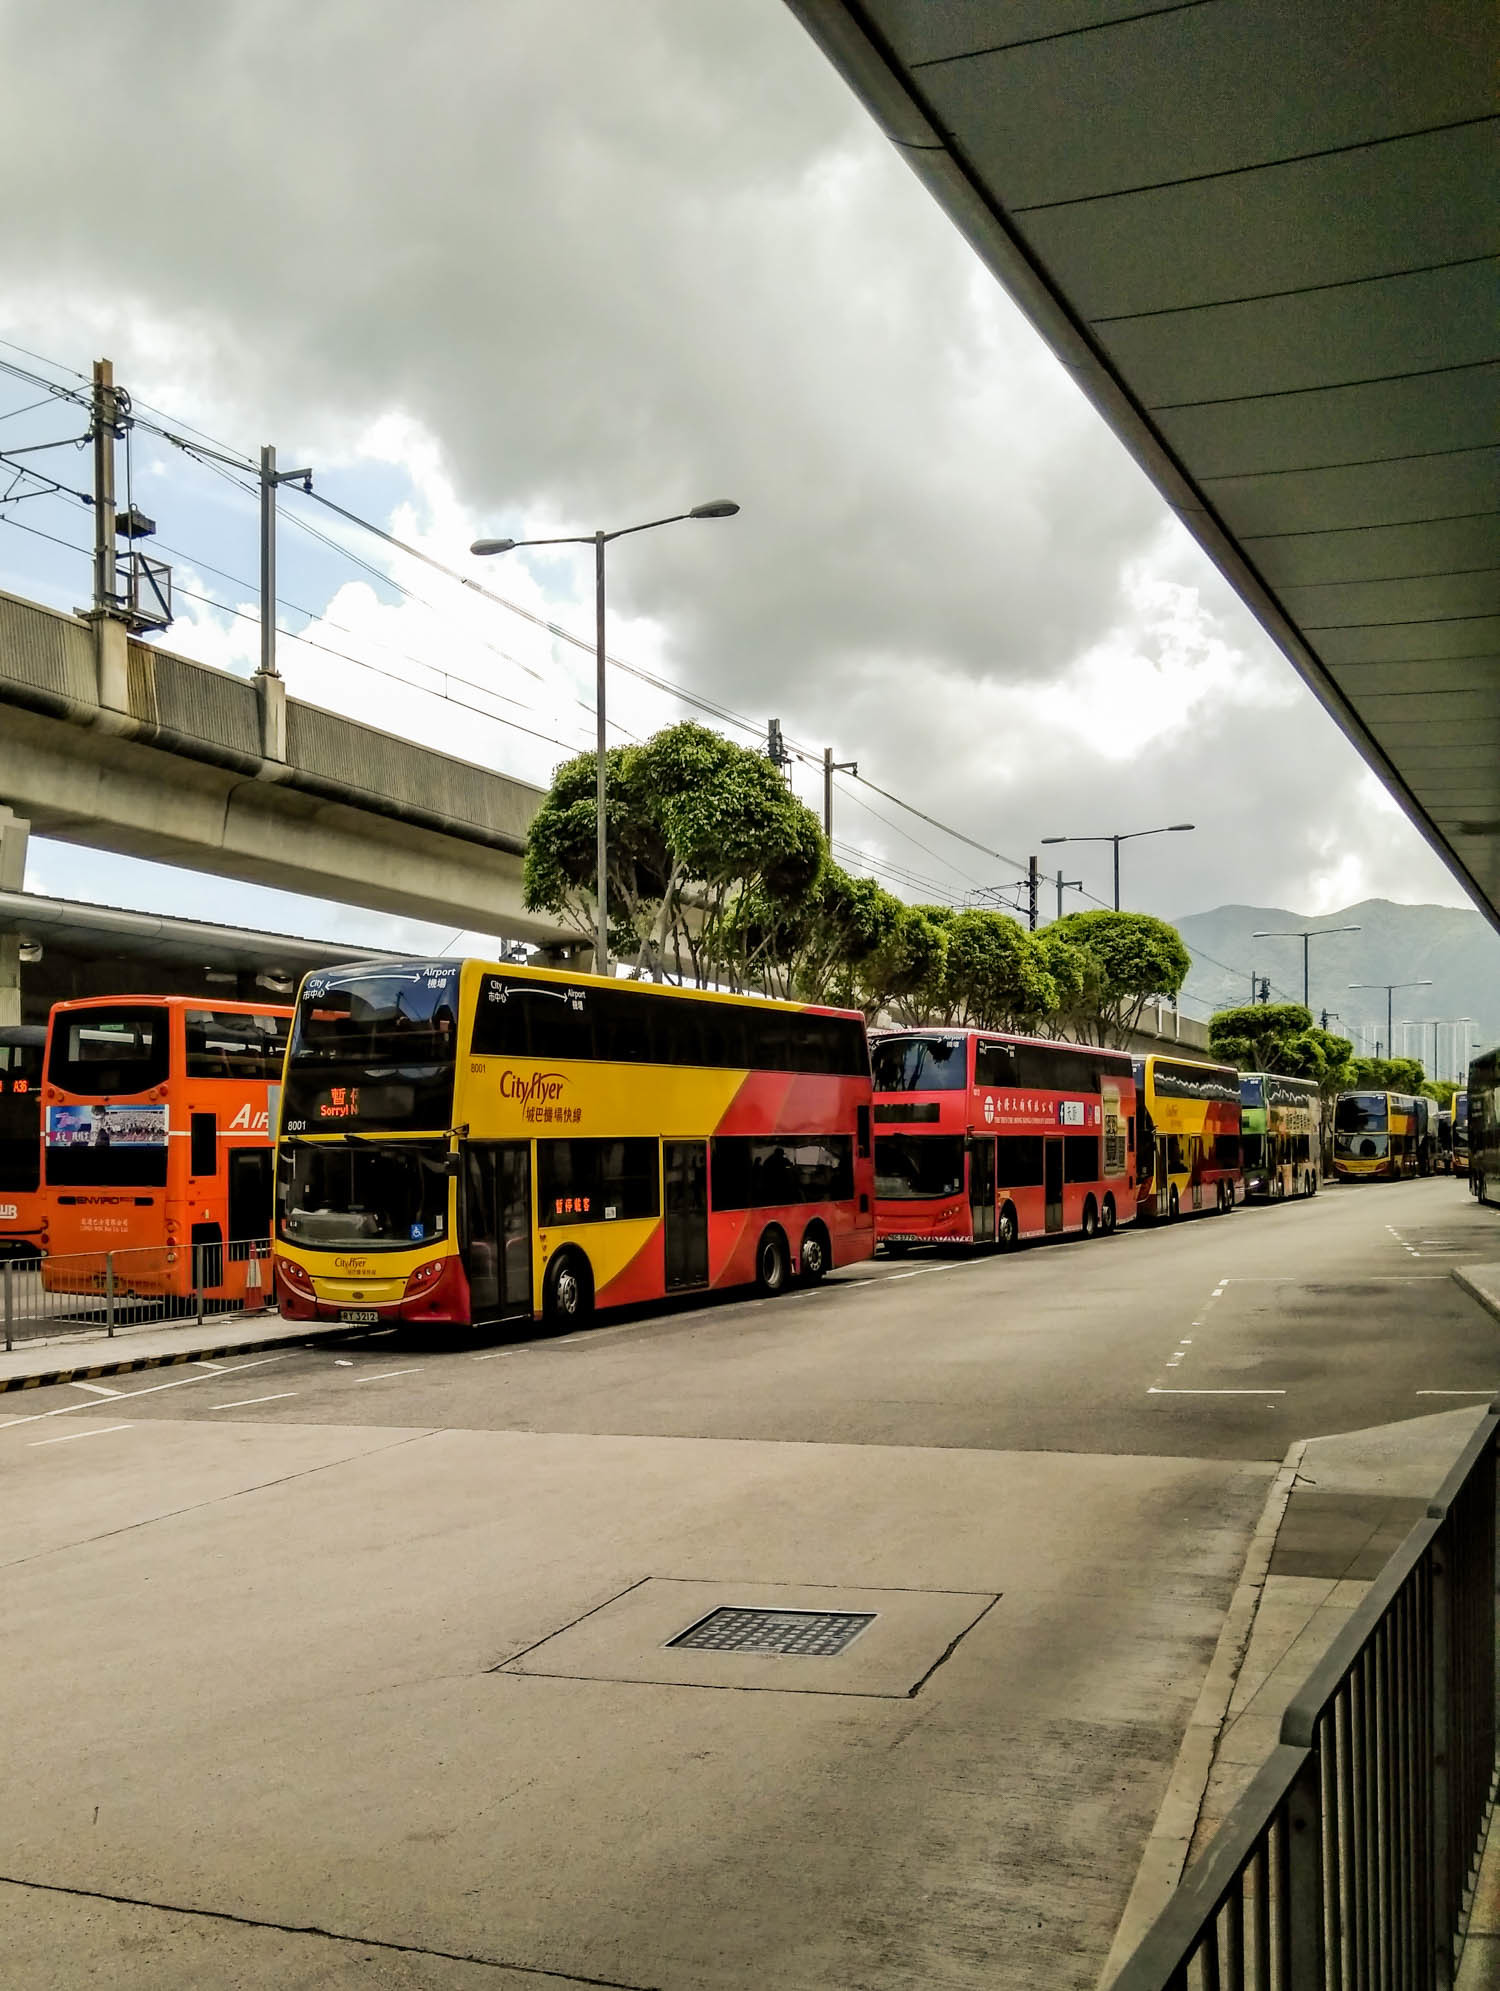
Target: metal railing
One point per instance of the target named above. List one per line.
(1349, 1862)
(108, 1291)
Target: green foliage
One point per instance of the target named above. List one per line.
(904, 966)
(1387, 1075)
(994, 975)
(1442, 1090)
(1137, 959)
(706, 847)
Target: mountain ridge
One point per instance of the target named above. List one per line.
(1454, 948)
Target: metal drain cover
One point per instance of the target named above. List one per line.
(803, 1634)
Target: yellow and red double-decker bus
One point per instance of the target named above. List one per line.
(23, 1225)
(983, 1138)
(157, 1141)
(1379, 1136)
(1190, 1156)
(469, 1142)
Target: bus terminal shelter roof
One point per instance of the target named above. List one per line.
(1262, 236)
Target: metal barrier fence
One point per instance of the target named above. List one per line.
(1350, 1860)
(80, 1293)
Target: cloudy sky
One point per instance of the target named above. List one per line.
(529, 266)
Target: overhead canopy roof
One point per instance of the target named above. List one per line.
(1262, 235)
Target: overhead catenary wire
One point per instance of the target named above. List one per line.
(142, 413)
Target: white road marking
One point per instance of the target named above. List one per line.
(495, 1354)
(215, 1368)
(1489, 1390)
(240, 1402)
(385, 1375)
(98, 1431)
(342, 1362)
(152, 1389)
(94, 1389)
(1154, 1391)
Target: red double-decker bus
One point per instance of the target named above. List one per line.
(157, 1141)
(983, 1138)
(23, 1227)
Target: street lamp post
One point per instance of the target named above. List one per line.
(1389, 987)
(1304, 934)
(718, 508)
(1123, 836)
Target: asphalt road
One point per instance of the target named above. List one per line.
(373, 1641)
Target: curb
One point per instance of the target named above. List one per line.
(126, 1365)
(1165, 1855)
(1489, 1300)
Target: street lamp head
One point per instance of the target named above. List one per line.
(1056, 839)
(1182, 826)
(492, 546)
(715, 508)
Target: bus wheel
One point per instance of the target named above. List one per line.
(1007, 1230)
(814, 1258)
(1090, 1219)
(567, 1292)
(895, 1247)
(1108, 1218)
(1172, 1207)
(773, 1266)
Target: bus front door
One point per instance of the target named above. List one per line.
(982, 1188)
(685, 1173)
(1052, 1217)
(496, 1234)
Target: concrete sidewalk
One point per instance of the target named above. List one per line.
(1336, 1514)
(35, 1364)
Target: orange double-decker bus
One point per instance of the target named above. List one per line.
(157, 1141)
(468, 1142)
(23, 1226)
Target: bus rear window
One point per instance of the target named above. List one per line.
(109, 1049)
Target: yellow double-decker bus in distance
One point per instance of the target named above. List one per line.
(1378, 1136)
(471, 1142)
(1188, 1150)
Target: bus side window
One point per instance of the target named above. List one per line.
(204, 1142)
(1130, 1135)
(862, 1129)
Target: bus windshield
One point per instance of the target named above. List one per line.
(373, 1049)
(920, 1064)
(913, 1167)
(362, 1195)
(1360, 1113)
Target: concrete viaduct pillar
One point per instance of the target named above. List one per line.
(15, 832)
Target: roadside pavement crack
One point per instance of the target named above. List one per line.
(219, 1500)
(327, 1935)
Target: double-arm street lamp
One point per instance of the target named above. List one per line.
(1304, 934)
(719, 508)
(1125, 836)
(1389, 987)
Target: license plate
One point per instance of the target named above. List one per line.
(359, 1316)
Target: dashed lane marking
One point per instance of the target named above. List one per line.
(1154, 1391)
(97, 1389)
(244, 1402)
(384, 1376)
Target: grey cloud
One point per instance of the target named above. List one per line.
(617, 259)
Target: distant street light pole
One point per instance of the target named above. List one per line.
(718, 508)
(1389, 987)
(1304, 934)
(1124, 836)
